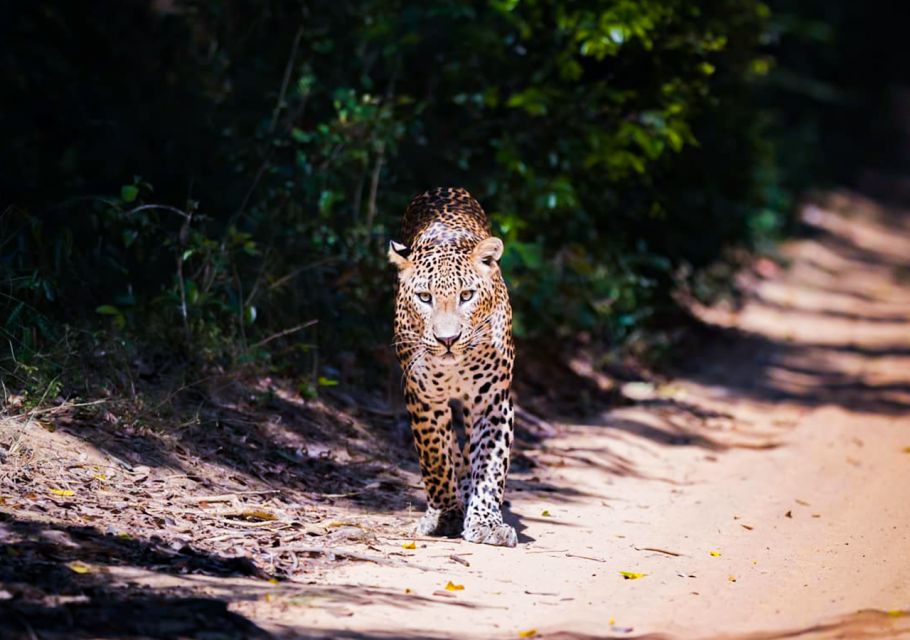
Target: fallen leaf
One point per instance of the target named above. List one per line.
(62, 492)
(79, 567)
(897, 613)
(714, 554)
(257, 514)
(273, 580)
(906, 449)
(731, 578)
(612, 620)
(789, 514)
(530, 633)
(629, 575)
(409, 545)
(451, 586)
(545, 514)
(747, 527)
(408, 590)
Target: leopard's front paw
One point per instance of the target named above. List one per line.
(495, 533)
(440, 523)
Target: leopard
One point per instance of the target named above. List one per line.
(453, 340)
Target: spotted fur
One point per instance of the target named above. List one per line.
(453, 336)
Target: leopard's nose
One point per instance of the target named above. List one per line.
(447, 341)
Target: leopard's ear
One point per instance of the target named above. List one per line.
(398, 255)
(487, 253)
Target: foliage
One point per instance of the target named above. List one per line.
(616, 144)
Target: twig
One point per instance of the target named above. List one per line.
(288, 68)
(28, 628)
(64, 406)
(655, 549)
(160, 207)
(572, 555)
(423, 539)
(286, 332)
(224, 497)
(460, 560)
(254, 525)
(344, 553)
(374, 185)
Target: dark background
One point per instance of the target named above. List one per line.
(623, 149)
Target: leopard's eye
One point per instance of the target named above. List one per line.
(467, 294)
(424, 297)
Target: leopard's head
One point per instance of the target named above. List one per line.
(446, 296)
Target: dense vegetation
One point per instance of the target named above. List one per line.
(205, 179)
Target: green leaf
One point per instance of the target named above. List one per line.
(128, 193)
(108, 310)
(327, 382)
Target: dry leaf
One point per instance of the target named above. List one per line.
(451, 586)
(612, 621)
(79, 567)
(731, 578)
(546, 514)
(408, 590)
(530, 633)
(898, 613)
(906, 449)
(714, 554)
(258, 514)
(629, 575)
(62, 492)
(409, 545)
(273, 580)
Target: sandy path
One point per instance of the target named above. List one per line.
(775, 468)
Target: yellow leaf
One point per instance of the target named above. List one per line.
(612, 620)
(273, 580)
(731, 578)
(546, 514)
(629, 575)
(258, 514)
(268, 597)
(79, 567)
(897, 613)
(530, 633)
(451, 586)
(100, 476)
(62, 492)
(409, 545)
(714, 554)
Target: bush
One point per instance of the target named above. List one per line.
(253, 159)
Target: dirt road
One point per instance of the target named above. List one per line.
(766, 493)
(763, 493)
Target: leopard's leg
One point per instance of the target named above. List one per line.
(464, 466)
(439, 460)
(491, 445)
